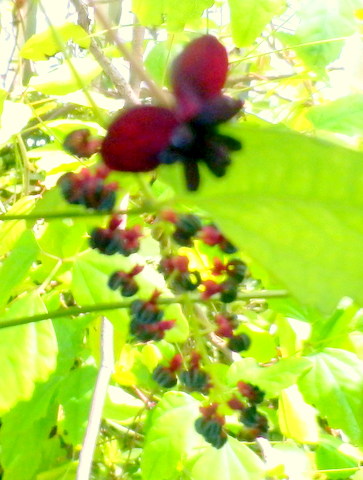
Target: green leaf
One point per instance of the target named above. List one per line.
(328, 456)
(334, 385)
(234, 461)
(321, 20)
(175, 13)
(286, 460)
(44, 45)
(29, 423)
(263, 346)
(248, 18)
(10, 231)
(92, 270)
(180, 331)
(62, 80)
(17, 264)
(28, 353)
(293, 204)
(171, 436)
(120, 406)
(158, 60)
(271, 379)
(148, 12)
(344, 115)
(67, 471)
(297, 419)
(64, 238)
(75, 396)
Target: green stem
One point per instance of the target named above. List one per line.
(82, 214)
(74, 311)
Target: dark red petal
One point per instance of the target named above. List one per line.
(135, 138)
(199, 74)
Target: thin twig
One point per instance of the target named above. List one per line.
(138, 33)
(98, 400)
(75, 311)
(81, 214)
(121, 85)
(137, 66)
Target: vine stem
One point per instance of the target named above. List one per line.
(98, 400)
(81, 214)
(74, 311)
(134, 62)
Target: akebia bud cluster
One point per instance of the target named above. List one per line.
(210, 426)
(234, 271)
(254, 422)
(113, 240)
(164, 375)
(89, 189)
(144, 137)
(177, 268)
(146, 320)
(125, 282)
(195, 378)
(226, 324)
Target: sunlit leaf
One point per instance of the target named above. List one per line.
(171, 436)
(320, 21)
(271, 379)
(28, 353)
(175, 13)
(297, 419)
(43, 45)
(341, 116)
(334, 385)
(234, 461)
(16, 266)
(75, 397)
(62, 80)
(248, 18)
(294, 205)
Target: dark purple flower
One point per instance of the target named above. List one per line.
(143, 137)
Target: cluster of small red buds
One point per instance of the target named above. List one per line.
(125, 281)
(195, 378)
(255, 423)
(113, 240)
(165, 376)
(177, 267)
(210, 426)
(88, 189)
(210, 235)
(146, 320)
(235, 271)
(226, 324)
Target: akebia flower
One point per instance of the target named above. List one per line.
(144, 137)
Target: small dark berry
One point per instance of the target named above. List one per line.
(237, 270)
(194, 379)
(238, 343)
(188, 224)
(227, 247)
(129, 288)
(164, 377)
(252, 392)
(229, 289)
(188, 281)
